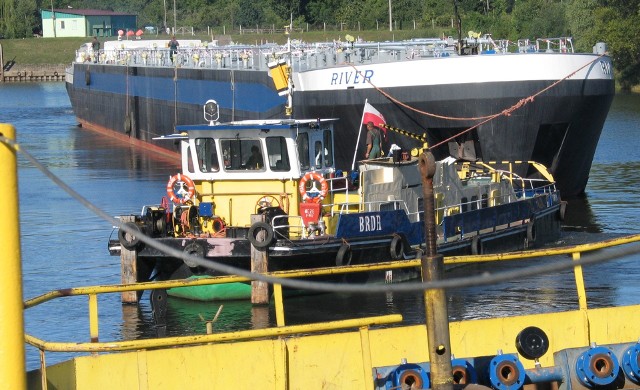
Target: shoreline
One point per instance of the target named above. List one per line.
(33, 73)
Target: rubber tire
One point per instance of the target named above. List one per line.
(396, 248)
(531, 231)
(344, 255)
(161, 226)
(252, 235)
(476, 246)
(193, 249)
(134, 242)
(562, 211)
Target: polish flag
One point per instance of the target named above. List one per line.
(373, 115)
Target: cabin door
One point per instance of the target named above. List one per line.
(321, 149)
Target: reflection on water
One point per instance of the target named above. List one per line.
(579, 217)
(64, 245)
(186, 317)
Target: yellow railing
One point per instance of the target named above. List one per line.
(95, 346)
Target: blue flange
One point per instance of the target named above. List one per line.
(408, 374)
(597, 366)
(463, 372)
(506, 372)
(631, 363)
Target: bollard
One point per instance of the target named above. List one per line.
(129, 268)
(260, 264)
(435, 301)
(12, 364)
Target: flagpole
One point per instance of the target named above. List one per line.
(355, 153)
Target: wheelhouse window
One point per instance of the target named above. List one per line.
(242, 154)
(328, 148)
(319, 154)
(207, 155)
(390, 206)
(303, 151)
(277, 154)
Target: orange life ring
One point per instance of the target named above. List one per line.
(182, 195)
(317, 195)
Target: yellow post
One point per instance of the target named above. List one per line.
(93, 317)
(582, 293)
(12, 364)
(278, 300)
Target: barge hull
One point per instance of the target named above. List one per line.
(559, 128)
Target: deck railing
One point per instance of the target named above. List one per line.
(306, 56)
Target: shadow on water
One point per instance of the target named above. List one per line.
(579, 217)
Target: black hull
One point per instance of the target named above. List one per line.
(560, 128)
(534, 132)
(326, 252)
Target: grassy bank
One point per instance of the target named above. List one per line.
(40, 51)
(62, 50)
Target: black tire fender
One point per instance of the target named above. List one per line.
(344, 255)
(562, 210)
(476, 246)
(130, 241)
(396, 248)
(531, 230)
(255, 229)
(194, 249)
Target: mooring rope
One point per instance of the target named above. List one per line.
(484, 119)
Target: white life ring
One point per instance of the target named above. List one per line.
(316, 195)
(181, 195)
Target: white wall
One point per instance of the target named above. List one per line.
(73, 27)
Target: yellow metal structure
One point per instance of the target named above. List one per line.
(329, 360)
(11, 317)
(332, 355)
(232, 198)
(279, 71)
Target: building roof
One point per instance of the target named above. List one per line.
(91, 12)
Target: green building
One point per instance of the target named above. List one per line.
(85, 22)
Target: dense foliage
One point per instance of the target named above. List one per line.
(616, 22)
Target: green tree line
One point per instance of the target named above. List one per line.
(616, 22)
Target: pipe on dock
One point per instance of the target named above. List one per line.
(435, 300)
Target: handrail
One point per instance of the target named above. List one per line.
(575, 251)
(129, 345)
(304, 56)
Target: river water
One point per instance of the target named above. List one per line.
(65, 245)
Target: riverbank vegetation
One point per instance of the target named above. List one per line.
(616, 22)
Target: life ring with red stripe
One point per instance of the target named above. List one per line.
(180, 189)
(313, 195)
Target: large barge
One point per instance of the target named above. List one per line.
(549, 103)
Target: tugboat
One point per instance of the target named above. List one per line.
(272, 185)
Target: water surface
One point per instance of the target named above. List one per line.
(64, 244)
